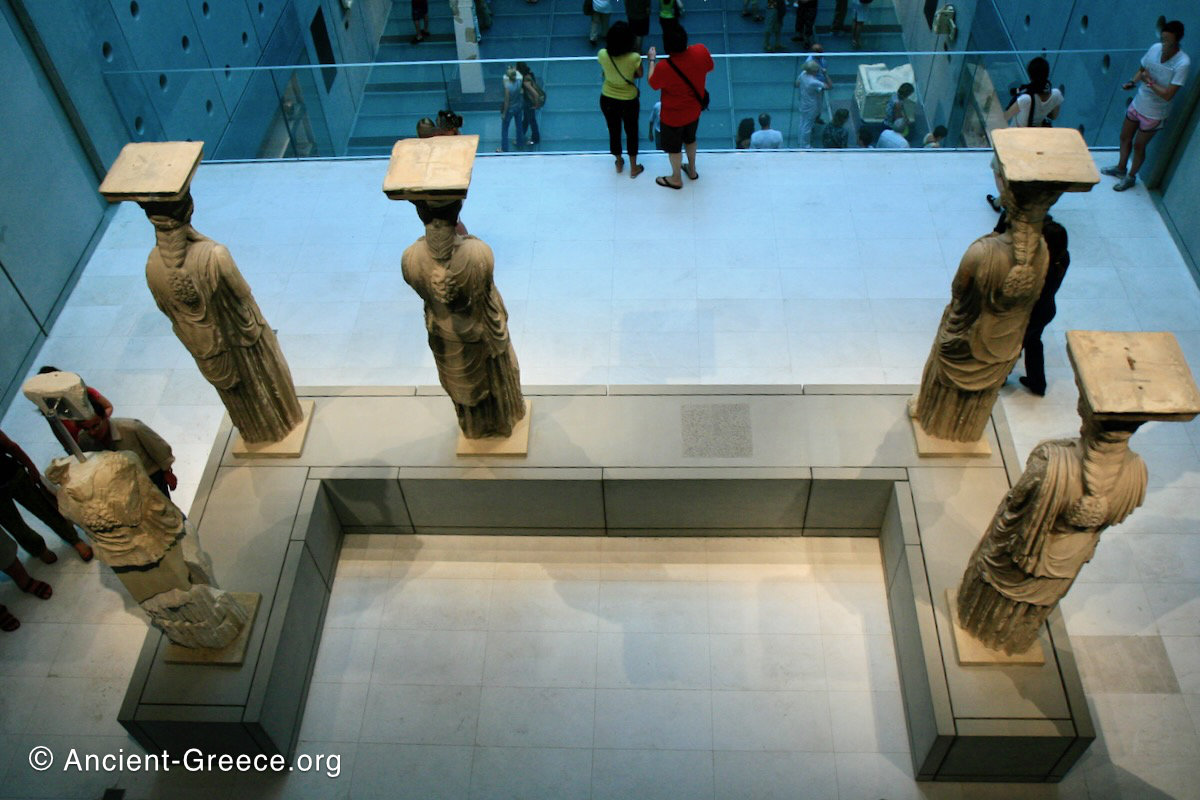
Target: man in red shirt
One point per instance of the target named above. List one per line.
(681, 82)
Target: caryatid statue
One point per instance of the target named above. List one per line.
(464, 313)
(1048, 525)
(136, 530)
(997, 283)
(196, 283)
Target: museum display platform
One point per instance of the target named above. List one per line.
(619, 461)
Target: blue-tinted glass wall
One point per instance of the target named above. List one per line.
(86, 38)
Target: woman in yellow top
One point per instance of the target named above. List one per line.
(622, 66)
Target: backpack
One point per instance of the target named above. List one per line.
(534, 92)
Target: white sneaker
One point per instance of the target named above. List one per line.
(1125, 183)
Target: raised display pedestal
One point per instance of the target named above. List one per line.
(619, 461)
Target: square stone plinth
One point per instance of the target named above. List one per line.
(935, 447)
(1133, 375)
(290, 446)
(152, 171)
(974, 653)
(438, 168)
(516, 444)
(233, 653)
(1045, 155)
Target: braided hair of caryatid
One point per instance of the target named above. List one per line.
(440, 234)
(1105, 446)
(1026, 204)
(173, 232)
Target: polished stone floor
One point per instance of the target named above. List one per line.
(664, 668)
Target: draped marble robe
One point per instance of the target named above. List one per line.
(979, 337)
(196, 283)
(467, 325)
(1045, 530)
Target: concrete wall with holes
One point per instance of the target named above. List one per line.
(86, 42)
(1093, 80)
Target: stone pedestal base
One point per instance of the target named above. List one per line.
(515, 445)
(933, 447)
(233, 653)
(974, 653)
(290, 446)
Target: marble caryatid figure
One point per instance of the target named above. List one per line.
(1048, 525)
(998, 280)
(464, 313)
(466, 321)
(144, 538)
(196, 283)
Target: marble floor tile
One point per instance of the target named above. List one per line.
(565, 659)
(653, 775)
(1125, 664)
(772, 720)
(654, 661)
(334, 711)
(654, 719)
(1109, 609)
(653, 607)
(418, 714)
(767, 662)
(429, 657)
(536, 717)
(1184, 655)
(775, 775)
(437, 604)
(419, 772)
(509, 773)
(868, 722)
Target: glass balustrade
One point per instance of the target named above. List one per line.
(351, 110)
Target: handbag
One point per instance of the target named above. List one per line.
(703, 100)
(611, 60)
(587, 8)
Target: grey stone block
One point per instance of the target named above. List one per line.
(851, 498)
(923, 687)
(856, 388)
(290, 651)
(1011, 757)
(465, 498)
(317, 527)
(355, 391)
(366, 497)
(700, 390)
(711, 500)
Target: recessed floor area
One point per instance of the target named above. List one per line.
(576, 667)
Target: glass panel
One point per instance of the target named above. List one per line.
(288, 112)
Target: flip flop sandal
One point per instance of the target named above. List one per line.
(691, 173)
(636, 170)
(39, 589)
(8, 623)
(661, 180)
(84, 551)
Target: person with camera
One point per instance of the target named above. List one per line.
(1163, 70)
(684, 97)
(1035, 105)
